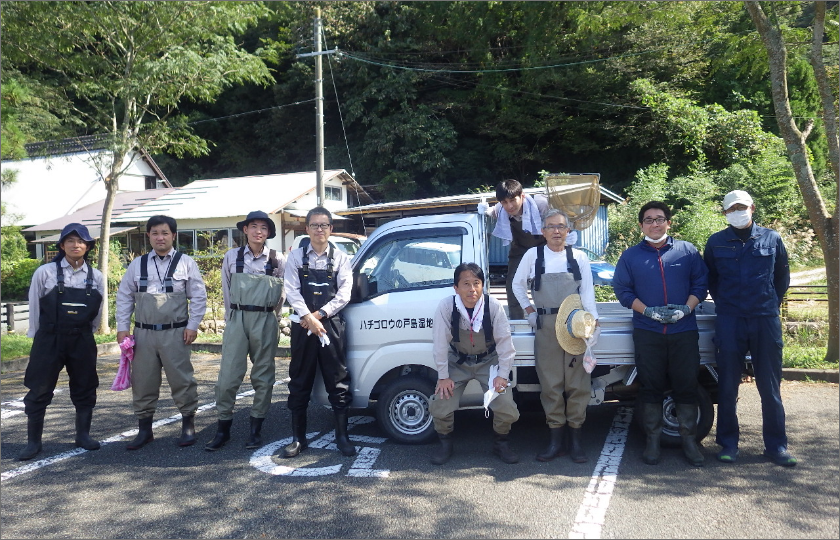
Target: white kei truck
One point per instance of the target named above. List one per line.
(399, 276)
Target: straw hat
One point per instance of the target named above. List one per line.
(573, 325)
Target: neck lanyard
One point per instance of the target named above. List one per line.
(154, 259)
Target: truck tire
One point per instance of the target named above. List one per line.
(670, 426)
(402, 410)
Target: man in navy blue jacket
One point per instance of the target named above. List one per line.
(748, 277)
(662, 280)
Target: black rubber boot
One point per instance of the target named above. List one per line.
(444, 452)
(501, 449)
(557, 445)
(652, 422)
(83, 440)
(222, 436)
(687, 417)
(187, 437)
(575, 450)
(144, 435)
(254, 440)
(342, 441)
(34, 430)
(298, 443)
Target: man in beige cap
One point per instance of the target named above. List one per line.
(748, 277)
(557, 271)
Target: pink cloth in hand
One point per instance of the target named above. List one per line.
(123, 379)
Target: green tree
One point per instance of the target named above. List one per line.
(775, 36)
(127, 66)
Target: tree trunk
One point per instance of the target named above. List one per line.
(112, 183)
(825, 226)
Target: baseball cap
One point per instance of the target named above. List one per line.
(737, 197)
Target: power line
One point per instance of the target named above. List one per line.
(250, 112)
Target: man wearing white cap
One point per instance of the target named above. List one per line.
(564, 295)
(748, 277)
(662, 280)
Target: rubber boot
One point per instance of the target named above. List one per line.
(652, 423)
(254, 440)
(222, 436)
(298, 443)
(501, 449)
(83, 440)
(445, 451)
(342, 441)
(144, 434)
(34, 430)
(187, 437)
(557, 446)
(687, 417)
(575, 450)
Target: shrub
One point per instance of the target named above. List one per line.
(16, 277)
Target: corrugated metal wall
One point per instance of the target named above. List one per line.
(593, 238)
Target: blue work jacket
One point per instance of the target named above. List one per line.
(668, 275)
(747, 279)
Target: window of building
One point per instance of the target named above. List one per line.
(186, 242)
(151, 182)
(332, 193)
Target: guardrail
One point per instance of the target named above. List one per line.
(804, 293)
(14, 313)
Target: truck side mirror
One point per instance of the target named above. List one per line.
(361, 287)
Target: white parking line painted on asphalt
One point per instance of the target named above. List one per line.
(41, 463)
(17, 405)
(596, 500)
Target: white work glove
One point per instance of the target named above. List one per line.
(679, 311)
(658, 313)
(532, 319)
(482, 207)
(593, 339)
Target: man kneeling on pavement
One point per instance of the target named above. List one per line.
(471, 333)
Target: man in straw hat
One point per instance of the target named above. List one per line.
(471, 335)
(662, 280)
(565, 315)
(252, 288)
(65, 298)
(748, 277)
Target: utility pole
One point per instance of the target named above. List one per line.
(319, 108)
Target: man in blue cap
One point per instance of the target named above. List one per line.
(252, 287)
(65, 300)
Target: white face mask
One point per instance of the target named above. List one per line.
(739, 218)
(655, 240)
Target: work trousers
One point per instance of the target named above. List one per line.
(667, 361)
(762, 337)
(50, 353)
(308, 355)
(156, 349)
(443, 410)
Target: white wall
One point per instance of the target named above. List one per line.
(49, 188)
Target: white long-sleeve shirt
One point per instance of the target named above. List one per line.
(253, 265)
(442, 336)
(555, 262)
(187, 279)
(45, 279)
(344, 279)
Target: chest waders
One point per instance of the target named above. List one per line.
(251, 330)
(160, 319)
(558, 371)
(522, 242)
(64, 339)
(318, 288)
(471, 355)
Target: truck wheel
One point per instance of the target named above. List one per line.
(671, 427)
(403, 410)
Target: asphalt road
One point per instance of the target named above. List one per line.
(392, 491)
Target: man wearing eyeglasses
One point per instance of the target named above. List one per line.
(748, 277)
(556, 272)
(318, 281)
(662, 280)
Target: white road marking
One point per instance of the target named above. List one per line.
(17, 405)
(596, 500)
